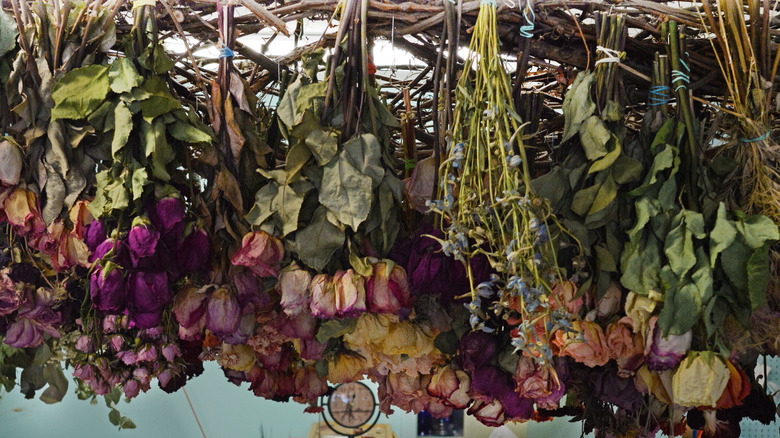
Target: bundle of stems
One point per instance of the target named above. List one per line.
(486, 201)
(743, 54)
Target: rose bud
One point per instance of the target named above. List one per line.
(293, 286)
(350, 291)
(224, 312)
(167, 214)
(108, 289)
(700, 379)
(451, 386)
(95, 235)
(323, 297)
(149, 291)
(261, 253)
(663, 353)
(142, 242)
(195, 251)
(388, 289)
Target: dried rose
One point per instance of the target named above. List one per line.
(108, 289)
(388, 289)
(142, 242)
(323, 297)
(167, 214)
(261, 253)
(626, 347)
(293, 286)
(592, 352)
(224, 312)
(451, 386)
(700, 379)
(350, 293)
(194, 252)
(149, 291)
(663, 353)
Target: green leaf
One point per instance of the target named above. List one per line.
(733, 260)
(626, 170)
(722, 235)
(80, 92)
(577, 105)
(123, 76)
(188, 133)
(447, 342)
(155, 59)
(287, 204)
(758, 276)
(365, 154)
(346, 192)
(286, 111)
(324, 145)
(156, 147)
(335, 328)
(608, 159)
(583, 199)
(262, 210)
(316, 243)
(757, 230)
(679, 242)
(58, 384)
(139, 180)
(604, 259)
(297, 157)
(159, 100)
(641, 264)
(594, 136)
(605, 197)
(114, 417)
(361, 265)
(682, 310)
(8, 33)
(123, 126)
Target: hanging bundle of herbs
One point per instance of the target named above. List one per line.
(489, 208)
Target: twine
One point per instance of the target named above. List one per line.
(613, 56)
(526, 29)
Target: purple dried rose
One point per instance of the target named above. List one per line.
(663, 353)
(149, 291)
(142, 242)
(224, 312)
(194, 252)
(11, 296)
(108, 289)
(146, 320)
(611, 388)
(477, 349)
(167, 214)
(28, 333)
(490, 382)
(95, 235)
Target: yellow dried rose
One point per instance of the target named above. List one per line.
(640, 308)
(236, 357)
(700, 379)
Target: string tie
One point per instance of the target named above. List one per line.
(659, 95)
(753, 140)
(612, 55)
(526, 29)
(142, 3)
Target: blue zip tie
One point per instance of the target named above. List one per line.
(526, 29)
(225, 52)
(659, 95)
(753, 140)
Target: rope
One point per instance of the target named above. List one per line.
(612, 55)
(659, 95)
(142, 3)
(753, 140)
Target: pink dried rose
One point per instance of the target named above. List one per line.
(350, 293)
(293, 286)
(565, 293)
(451, 386)
(261, 253)
(388, 289)
(610, 302)
(626, 347)
(224, 312)
(323, 297)
(489, 414)
(591, 351)
(190, 308)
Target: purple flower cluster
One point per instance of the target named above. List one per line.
(133, 274)
(27, 313)
(129, 357)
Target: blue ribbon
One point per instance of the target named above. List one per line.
(753, 140)
(659, 95)
(526, 29)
